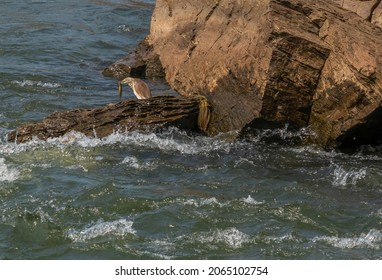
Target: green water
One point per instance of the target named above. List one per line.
(157, 196)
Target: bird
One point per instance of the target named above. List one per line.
(140, 88)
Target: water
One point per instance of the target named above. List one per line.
(169, 195)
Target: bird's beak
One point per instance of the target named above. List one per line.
(120, 89)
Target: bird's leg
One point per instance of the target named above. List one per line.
(120, 89)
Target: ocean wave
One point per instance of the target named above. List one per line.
(218, 239)
(372, 240)
(170, 140)
(282, 135)
(118, 228)
(377, 213)
(158, 249)
(7, 174)
(134, 163)
(279, 239)
(203, 202)
(342, 177)
(124, 28)
(30, 83)
(252, 201)
(230, 237)
(214, 202)
(243, 161)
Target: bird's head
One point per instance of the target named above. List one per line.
(140, 89)
(129, 81)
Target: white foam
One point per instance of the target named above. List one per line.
(172, 140)
(279, 239)
(283, 133)
(372, 239)
(377, 213)
(231, 237)
(101, 228)
(252, 201)
(7, 174)
(243, 161)
(212, 201)
(341, 177)
(124, 28)
(133, 162)
(159, 249)
(30, 83)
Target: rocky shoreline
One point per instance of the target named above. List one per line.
(307, 63)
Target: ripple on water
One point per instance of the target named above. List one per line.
(135, 163)
(342, 177)
(30, 83)
(231, 238)
(370, 240)
(196, 244)
(7, 174)
(118, 228)
(170, 140)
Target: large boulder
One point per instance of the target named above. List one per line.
(364, 8)
(266, 63)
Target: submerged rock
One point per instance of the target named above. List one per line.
(267, 63)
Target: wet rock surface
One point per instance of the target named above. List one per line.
(268, 63)
(146, 115)
(272, 62)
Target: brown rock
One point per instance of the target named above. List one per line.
(301, 62)
(348, 95)
(244, 57)
(364, 8)
(267, 63)
(146, 114)
(142, 63)
(377, 15)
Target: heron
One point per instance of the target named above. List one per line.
(140, 88)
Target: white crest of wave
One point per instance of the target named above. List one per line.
(341, 177)
(279, 239)
(250, 200)
(372, 239)
(212, 201)
(171, 140)
(101, 228)
(30, 83)
(7, 174)
(133, 162)
(124, 28)
(231, 237)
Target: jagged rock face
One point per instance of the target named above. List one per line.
(348, 95)
(207, 49)
(299, 62)
(243, 56)
(364, 8)
(377, 15)
(271, 62)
